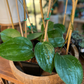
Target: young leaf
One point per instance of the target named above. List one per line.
(17, 49)
(34, 36)
(69, 69)
(57, 42)
(61, 27)
(44, 53)
(9, 33)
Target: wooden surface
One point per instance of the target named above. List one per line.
(1, 82)
(6, 73)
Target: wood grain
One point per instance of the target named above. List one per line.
(5, 71)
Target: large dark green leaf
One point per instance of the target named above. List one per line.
(50, 26)
(9, 33)
(69, 69)
(57, 42)
(34, 36)
(44, 53)
(61, 27)
(17, 49)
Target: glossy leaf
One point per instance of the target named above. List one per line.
(61, 27)
(9, 33)
(44, 53)
(69, 69)
(17, 49)
(34, 36)
(50, 26)
(57, 42)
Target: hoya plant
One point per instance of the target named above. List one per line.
(15, 47)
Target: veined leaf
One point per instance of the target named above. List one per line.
(9, 33)
(17, 49)
(61, 27)
(69, 69)
(34, 36)
(56, 38)
(44, 53)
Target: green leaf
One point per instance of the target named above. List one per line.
(56, 37)
(55, 33)
(69, 69)
(17, 49)
(57, 42)
(44, 53)
(34, 36)
(61, 27)
(50, 26)
(9, 33)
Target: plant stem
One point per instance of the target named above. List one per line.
(10, 14)
(46, 28)
(74, 3)
(19, 18)
(29, 19)
(24, 6)
(65, 12)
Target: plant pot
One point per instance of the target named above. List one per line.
(30, 79)
(54, 18)
(4, 13)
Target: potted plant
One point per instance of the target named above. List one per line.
(17, 48)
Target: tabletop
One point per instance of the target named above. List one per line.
(6, 73)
